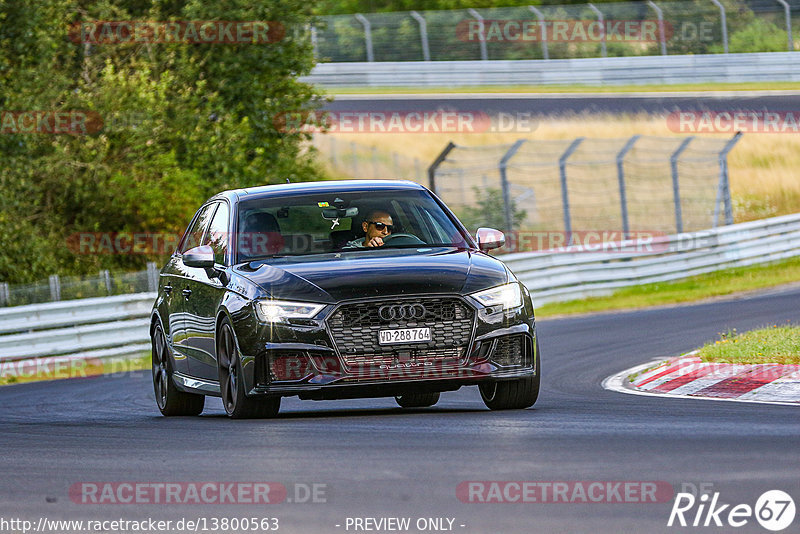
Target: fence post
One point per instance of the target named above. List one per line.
(423, 35)
(314, 42)
(105, 276)
(367, 35)
(543, 30)
(152, 276)
(55, 287)
(676, 190)
(5, 294)
(482, 42)
(503, 166)
(374, 155)
(724, 22)
(724, 184)
(355, 158)
(661, 35)
(601, 20)
(623, 199)
(788, 13)
(562, 170)
(435, 165)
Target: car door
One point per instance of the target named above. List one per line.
(177, 281)
(206, 290)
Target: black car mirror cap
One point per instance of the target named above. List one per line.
(489, 238)
(202, 257)
(339, 213)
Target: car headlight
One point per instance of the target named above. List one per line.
(507, 296)
(280, 311)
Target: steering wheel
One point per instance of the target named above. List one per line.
(402, 239)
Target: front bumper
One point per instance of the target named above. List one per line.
(304, 360)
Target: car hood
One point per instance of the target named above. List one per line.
(358, 274)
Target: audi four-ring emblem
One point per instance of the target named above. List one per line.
(401, 311)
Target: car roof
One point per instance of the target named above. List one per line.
(325, 186)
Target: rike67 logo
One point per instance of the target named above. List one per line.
(774, 510)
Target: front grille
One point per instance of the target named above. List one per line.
(355, 328)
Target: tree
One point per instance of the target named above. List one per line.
(180, 121)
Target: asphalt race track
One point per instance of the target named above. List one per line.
(560, 104)
(377, 460)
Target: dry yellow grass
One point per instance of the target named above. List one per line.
(764, 168)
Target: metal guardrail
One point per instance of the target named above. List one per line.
(654, 70)
(114, 326)
(572, 274)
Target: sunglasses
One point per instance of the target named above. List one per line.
(381, 226)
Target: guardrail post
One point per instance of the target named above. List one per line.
(543, 29)
(367, 35)
(435, 165)
(562, 170)
(623, 200)
(105, 276)
(5, 294)
(661, 34)
(152, 277)
(602, 22)
(724, 22)
(676, 190)
(423, 35)
(55, 287)
(503, 166)
(482, 42)
(724, 189)
(788, 13)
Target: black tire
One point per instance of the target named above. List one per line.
(170, 400)
(231, 383)
(417, 400)
(513, 394)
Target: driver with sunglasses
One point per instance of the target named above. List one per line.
(376, 226)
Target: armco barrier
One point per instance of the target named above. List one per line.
(571, 274)
(642, 70)
(118, 326)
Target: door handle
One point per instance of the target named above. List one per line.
(167, 289)
(186, 292)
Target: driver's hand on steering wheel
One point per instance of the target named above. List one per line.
(374, 242)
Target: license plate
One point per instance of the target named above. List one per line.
(404, 335)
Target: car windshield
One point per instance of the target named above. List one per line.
(322, 223)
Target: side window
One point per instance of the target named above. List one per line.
(195, 231)
(217, 235)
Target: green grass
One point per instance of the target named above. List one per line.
(700, 287)
(775, 344)
(110, 366)
(751, 86)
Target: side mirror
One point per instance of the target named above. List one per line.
(202, 256)
(489, 238)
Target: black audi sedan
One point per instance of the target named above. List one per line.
(335, 290)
